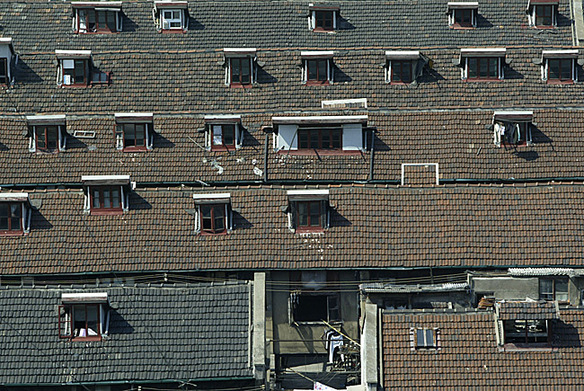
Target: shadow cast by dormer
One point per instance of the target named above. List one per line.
(344, 24)
(240, 222)
(340, 76)
(482, 22)
(195, 24)
(563, 21)
(538, 137)
(128, 25)
(39, 222)
(3, 148)
(380, 145)
(162, 142)
(264, 77)
(24, 74)
(565, 335)
(249, 139)
(512, 74)
(338, 220)
(118, 325)
(138, 203)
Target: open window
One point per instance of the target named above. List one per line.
(555, 288)
(320, 134)
(240, 67)
(47, 133)
(73, 67)
(134, 131)
(322, 18)
(171, 16)
(223, 132)
(106, 194)
(542, 13)
(462, 15)
(559, 66)
(482, 64)
(525, 324)
(308, 210)
(317, 67)
(213, 215)
(314, 297)
(97, 17)
(7, 57)
(403, 67)
(83, 316)
(15, 214)
(512, 128)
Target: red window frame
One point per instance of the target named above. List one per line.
(560, 78)
(73, 72)
(210, 216)
(324, 20)
(317, 71)
(76, 326)
(226, 142)
(309, 215)
(131, 140)
(98, 27)
(320, 138)
(46, 138)
(463, 18)
(544, 15)
(4, 71)
(398, 68)
(240, 79)
(11, 218)
(102, 200)
(475, 63)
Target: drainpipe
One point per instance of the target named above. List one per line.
(267, 130)
(372, 159)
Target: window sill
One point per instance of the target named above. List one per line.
(483, 80)
(173, 31)
(316, 322)
(239, 85)
(319, 152)
(205, 233)
(560, 81)
(84, 85)
(98, 32)
(323, 30)
(544, 27)
(135, 149)
(223, 148)
(518, 145)
(310, 230)
(106, 212)
(47, 151)
(317, 83)
(462, 27)
(86, 339)
(400, 83)
(11, 233)
(527, 347)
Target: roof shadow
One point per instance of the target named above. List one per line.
(162, 142)
(483, 22)
(430, 76)
(565, 335)
(24, 74)
(528, 156)
(511, 73)
(118, 325)
(128, 25)
(338, 220)
(249, 139)
(195, 24)
(75, 143)
(39, 222)
(240, 222)
(344, 24)
(264, 77)
(563, 21)
(3, 148)
(538, 137)
(380, 145)
(340, 76)
(138, 203)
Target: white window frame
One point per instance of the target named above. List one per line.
(123, 181)
(312, 18)
(47, 120)
(496, 131)
(134, 118)
(318, 55)
(462, 6)
(80, 22)
(532, 18)
(166, 23)
(213, 199)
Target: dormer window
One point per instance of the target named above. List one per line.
(320, 134)
(74, 67)
(213, 213)
(559, 66)
(402, 66)
(482, 64)
(106, 194)
(223, 132)
(15, 214)
(317, 67)
(308, 210)
(6, 56)
(542, 13)
(46, 133)
(322, 18)
(134, 131)
(240, 70)
(512, 128)
(525, 324)
(82, 316)
(462, 15)
(171, 16)
(97, 17)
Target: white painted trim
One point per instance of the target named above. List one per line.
(73, 54)
(343, 119)
(239, 51)
(402, 54)
(57, 119)
(105, 179)
(214, 196)
(361, 101)
(117, 5)
(13, 196)
(513, 113)
(5, 41)
(93, 297)
(317, 54)
(308, 192)
(133, 115)
(572, 53)
(483, 52)
(463, 5)
(219, 117)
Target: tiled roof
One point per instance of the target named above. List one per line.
(155, 334)
(527, 310)
(370, 228)
(457, 140)
(469, 357)
(282, 24)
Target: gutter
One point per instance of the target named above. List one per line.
(117, 382)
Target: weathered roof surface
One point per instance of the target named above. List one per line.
(282, 24)
(155, 334)
(530, 310)
(457, 140)
(370, 228)
(469, 357)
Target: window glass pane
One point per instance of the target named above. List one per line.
(336, 135)
(206, 217)
(219, 218)
(217, 135)
(111, 21)
(79, 71)
(236, 70)
(322, 70)
(129, 135)
(229, 134)
(493, 67)
(96, 199)
(406, 72)
(312, 71)
(245, 71)
(91, 20)
(115, 198)
(546, 289)
(52, 137)
(314, 139)
(101, 19)
(326, 138)
(140, 135)
(302, 139)
(566, 69)
(79, 318)
(92, 324)
(429, 337)
(106, 199)
(315, 214)
(562, 290)
(4, 216)
(483, 67)
(40, 137)
(554, 69)
(302, 214)
(472, 68)
(420, 338)
(3, 71)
